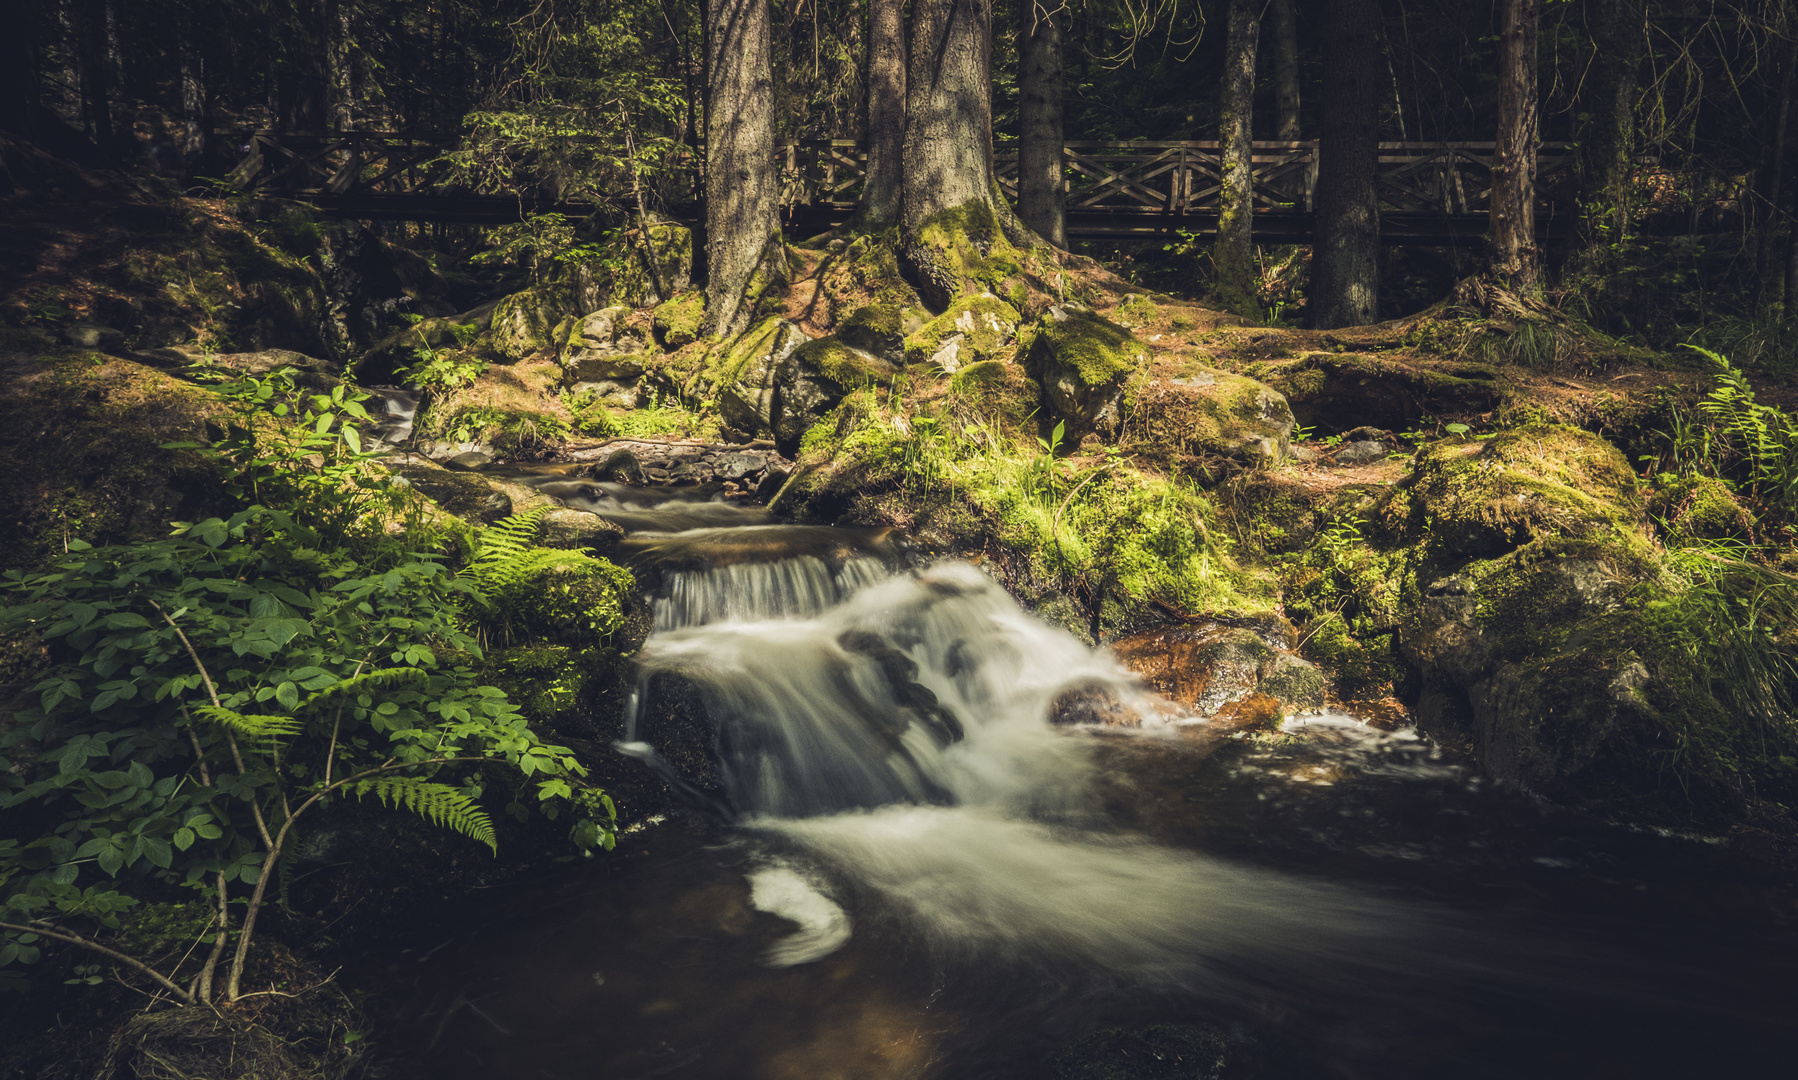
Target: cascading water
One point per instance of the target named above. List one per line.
(925, 875)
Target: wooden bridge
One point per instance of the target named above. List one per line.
(1430, 193)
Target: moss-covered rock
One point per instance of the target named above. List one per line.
(865, 274)
(974, 328)
(465, 495)
(524, 324)
(740, 374)
(994, 390)
(813, 378)
(1203, 417)
(82, 437)
(1083, 361)
(1486, 497)
(677, 320)
(1701, 508)
(1336, 391)
(876, 328)
(1135, 312)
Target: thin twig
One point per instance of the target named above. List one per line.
(76, 939)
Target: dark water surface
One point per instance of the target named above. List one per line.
(903, 900)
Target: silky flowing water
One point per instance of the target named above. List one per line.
(903, 869)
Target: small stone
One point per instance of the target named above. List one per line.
(1360, 453)
(469, 461)
(1366, 434)
(737, 466)
(657, 476)
(87, 335)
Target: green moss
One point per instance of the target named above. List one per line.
(677, 321)
(1701, 508)
(524, 324)
(1096, 350)
(1137, 311)
(847, 367)
(1360, 668)
(996, 390)
(980, 326)
(961, 250)
(1491, 495)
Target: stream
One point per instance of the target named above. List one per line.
(898, 867)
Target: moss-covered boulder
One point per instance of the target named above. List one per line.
(876, 328)
(524, 324)
(677, 320)
(1135, 312)
(1083, 361)
(602, 355)
(1701, 508)
(1485, 497)
(1336, 391)
(740, 375)
(82, 437)
(974, 328)
(812, 379)
(400, 349)
(629, 281)
(1204, 417)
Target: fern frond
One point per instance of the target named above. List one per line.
(379, 679)
(505, 553)
(256, 727)
(439, 804)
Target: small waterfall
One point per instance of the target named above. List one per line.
(798, 588)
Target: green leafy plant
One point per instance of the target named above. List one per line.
(209, 690)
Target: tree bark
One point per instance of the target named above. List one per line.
(743, 243)
(886, 116)
(953, 217)
(1234, 252)
(1345, 260)
(96, 72)
(1515, 256)
(337, 64)
(1286, 70)
(18, 80)
(194, 126)
(1617, 29)
(1042, 180)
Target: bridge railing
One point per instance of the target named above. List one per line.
(1134, 179)
(1181, 178)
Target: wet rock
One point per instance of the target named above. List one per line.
(466, 495)
(621, 466)
(1296, 683)
(469, 461)
(1205, 667)
(563, 527)
(87, 335)
(1095, 705)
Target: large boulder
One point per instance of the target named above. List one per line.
(1205, 415)
(974, 328)
(742, 374)
(813, 379)
(524, 324)
(1083, 361)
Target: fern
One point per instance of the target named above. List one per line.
(439, 804)
(506, 555)
(255, 727)
(379, 679)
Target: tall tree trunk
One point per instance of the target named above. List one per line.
(1772, 184)
(195, 127)
(96, 72)
(1286, 70)
(742, 215)
(1345, 259)
(1234, 253)
(1042, 180)
(18, 80)
(886, 116)
(1618, 37)
(1515, 256)
(951, 213)
(337, 64)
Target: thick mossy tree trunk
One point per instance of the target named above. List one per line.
(1516, 260)
(1607, 109)
(1345, 266)
(744, 253)
(1234, 253)
(954, 223)
(879, 207)
(1042, 180)
(1286, 70)
(337, 64)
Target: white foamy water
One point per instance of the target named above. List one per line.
(798, 588)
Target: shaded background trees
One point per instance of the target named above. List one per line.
(1677, 219)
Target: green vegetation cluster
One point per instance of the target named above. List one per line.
(200, 695)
